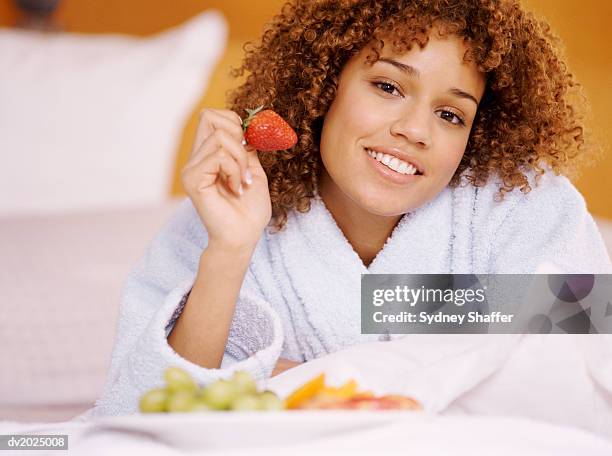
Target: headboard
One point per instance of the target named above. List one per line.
(37, 14)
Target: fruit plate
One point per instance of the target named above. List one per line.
(224, 430)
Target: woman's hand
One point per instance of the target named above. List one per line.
(218, 170)
(282, 365)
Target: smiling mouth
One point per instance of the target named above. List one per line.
(394, 163)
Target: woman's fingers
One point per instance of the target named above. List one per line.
(219, 165)
(214, 119)
(227, 166)
(232, 117)
(221, 141)
(220, 136)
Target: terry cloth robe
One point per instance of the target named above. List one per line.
(300, 298)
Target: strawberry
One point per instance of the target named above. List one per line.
(267, 131)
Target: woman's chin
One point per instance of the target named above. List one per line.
(383, 205)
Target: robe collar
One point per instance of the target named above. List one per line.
(323, 270)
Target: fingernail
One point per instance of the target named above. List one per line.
(244, 142)
(240, 189)
(248, 177)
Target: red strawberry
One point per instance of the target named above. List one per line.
(267, 131)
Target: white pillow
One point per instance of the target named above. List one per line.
(93, 121)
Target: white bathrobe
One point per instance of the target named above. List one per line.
(300, 298)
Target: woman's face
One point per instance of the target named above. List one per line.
(414, 109)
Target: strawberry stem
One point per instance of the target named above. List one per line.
(252, 113)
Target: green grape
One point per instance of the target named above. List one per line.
(181, 401)
(219, 394)
(154, 401)
(246, 403)
(200, 406)
(270, 401)
(179, 379)
(244, 382)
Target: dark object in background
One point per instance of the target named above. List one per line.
(37, 15)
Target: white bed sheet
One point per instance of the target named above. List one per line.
(431, 436)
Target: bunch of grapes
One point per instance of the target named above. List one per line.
(182, 394)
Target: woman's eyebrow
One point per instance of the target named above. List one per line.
(409, 70)
(462, 94)
(414, 73)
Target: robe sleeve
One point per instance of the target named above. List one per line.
(155, 291)
(549, 226)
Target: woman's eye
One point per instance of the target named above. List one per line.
(387, 87)
(448, 116)
(451, 117)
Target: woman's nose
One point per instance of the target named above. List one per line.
(414, 124)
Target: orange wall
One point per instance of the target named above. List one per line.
(142, 17)
(7, 12)
(583, 26)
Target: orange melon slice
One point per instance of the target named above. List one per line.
(306, 392)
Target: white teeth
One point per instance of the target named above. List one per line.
(392, 162)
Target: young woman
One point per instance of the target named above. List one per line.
(433, 138)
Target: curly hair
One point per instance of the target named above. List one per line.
(531, 113)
